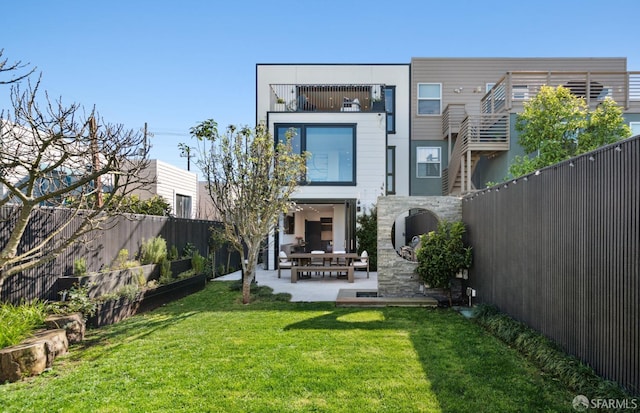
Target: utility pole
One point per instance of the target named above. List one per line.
(185, 152)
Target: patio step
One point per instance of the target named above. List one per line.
(368, 298)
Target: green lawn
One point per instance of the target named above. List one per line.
(210, 353)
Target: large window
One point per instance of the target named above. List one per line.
(428, 162)
(429, 98)
(391, 170)
(390, 107)
(332, 149)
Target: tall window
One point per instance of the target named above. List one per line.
(390, 107)
(183, 206)
(332, 149)
(428, 162)
(391, 170)
(429, 98)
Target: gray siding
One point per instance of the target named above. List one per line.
(471, 73)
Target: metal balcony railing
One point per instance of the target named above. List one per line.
(327, 98)
(594, 87)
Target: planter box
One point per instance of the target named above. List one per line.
(101, 283)
(114, 311)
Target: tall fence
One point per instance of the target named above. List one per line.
(559, 250)
(123, 232)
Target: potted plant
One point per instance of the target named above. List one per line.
(280, 105)
(442, 255)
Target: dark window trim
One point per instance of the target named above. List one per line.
(303, 146)
(391, 173)
(393, 113)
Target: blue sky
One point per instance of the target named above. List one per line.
(173, 64)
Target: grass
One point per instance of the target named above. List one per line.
(209, 353)
(19, 321)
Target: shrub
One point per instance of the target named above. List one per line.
(18, 321)
(442, 254)
(80, 267)
(172, 255)
(188, 250)
(165, 272)
(198, 262)
(74, 300)
(153, 251)
(123, 262)
(367, 236)
(546, 354)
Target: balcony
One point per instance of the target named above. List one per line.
(516, 87)
(327, 98)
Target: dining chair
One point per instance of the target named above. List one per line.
(283, 262)
(363, 262)
(319, 260)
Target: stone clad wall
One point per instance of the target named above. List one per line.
(396, 276)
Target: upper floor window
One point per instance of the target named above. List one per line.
(429, 98)
(520, 92)
(390, 107)
(428, 162)
(391, 170)
(332, 149)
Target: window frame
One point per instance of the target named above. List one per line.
(522, 92)
(418, 162)
(184, 209)
(430, 99)
(390, 115)
(303, 127)
(391, 170)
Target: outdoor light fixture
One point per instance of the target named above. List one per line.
(571, 164)
(591, 158)
(537, 173)
(618, 149)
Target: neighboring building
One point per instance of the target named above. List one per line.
(439, 126)
(463, 112)
(177, 186)
(354, 120)
(205, 210)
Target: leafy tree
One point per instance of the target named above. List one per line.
(52, 152)
(557, 125)
(156, 205)
(250, 181)
(367, 236)
(442, 254)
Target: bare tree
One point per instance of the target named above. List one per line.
(250, 180)
(13, 68)
(55, 157)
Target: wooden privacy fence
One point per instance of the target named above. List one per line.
(559, 250)
(125, 232)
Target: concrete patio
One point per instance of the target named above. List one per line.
(360, 293)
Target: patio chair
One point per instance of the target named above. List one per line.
(318, 260)
(283, 262)
(363, 262)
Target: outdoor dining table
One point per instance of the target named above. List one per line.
(303, 263)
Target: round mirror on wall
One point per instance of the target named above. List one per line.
(407, 228)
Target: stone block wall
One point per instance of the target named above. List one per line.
(396, 276)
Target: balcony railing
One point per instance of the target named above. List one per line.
(594, 87)
(452, 118)
(327, 98)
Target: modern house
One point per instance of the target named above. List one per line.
(463, 112)
(354, 120)
(436, 126)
